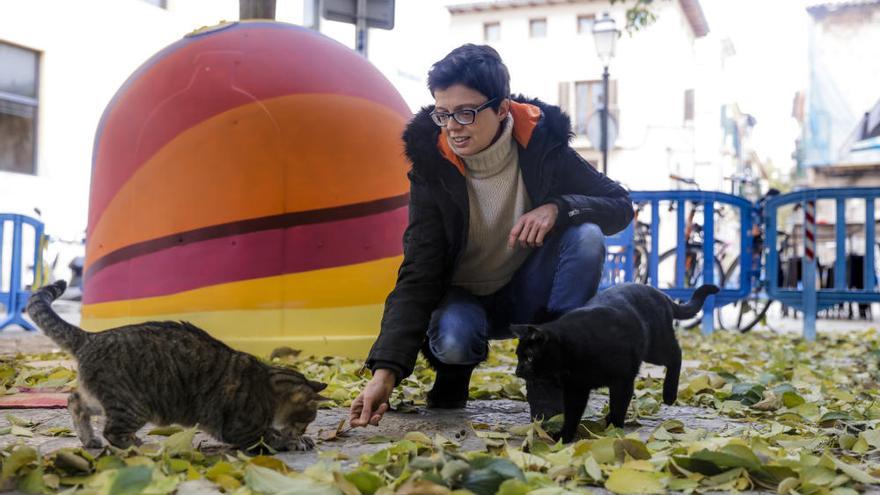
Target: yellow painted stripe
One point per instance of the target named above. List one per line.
(322, 332)
(360, 284)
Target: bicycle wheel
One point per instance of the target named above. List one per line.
(693, 276)
(640, 264)
(744, 314)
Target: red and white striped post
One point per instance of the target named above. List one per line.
(809, 265)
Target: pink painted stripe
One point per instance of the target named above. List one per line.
(249, 256)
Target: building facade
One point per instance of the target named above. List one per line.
(838, 111)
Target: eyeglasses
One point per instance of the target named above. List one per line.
(465, 116)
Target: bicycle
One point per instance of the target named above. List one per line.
(745, 314)
(694, 236)
(641, 241)
(694, 239)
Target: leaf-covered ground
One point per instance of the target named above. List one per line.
(798, 417)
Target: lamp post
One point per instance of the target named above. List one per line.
(605, 37)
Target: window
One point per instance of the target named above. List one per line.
(492, 31)
(585, 23)
(689, 105)
(588, 98)
(538, 28)
(18, 109)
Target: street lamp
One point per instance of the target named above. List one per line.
(605, 36)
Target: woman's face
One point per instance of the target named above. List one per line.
(467, 140)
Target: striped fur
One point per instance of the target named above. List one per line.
(166, 372)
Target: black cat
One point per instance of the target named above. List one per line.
(604, 344)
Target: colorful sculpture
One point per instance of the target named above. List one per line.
(250, 178)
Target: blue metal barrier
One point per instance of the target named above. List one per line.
(619, 262)
(16, 298)
(809, 298)
(618, 258)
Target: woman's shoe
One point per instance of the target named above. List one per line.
(450, 390)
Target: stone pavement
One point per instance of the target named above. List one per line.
(454, 425)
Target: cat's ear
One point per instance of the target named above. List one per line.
(522, 331)
(317, 386)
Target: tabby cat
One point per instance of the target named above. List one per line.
(175, 373)
(604, 344)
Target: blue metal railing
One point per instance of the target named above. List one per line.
(619, 263)
(619, 258)
(809, 298)
(15, 299)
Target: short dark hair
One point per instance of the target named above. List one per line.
(478, 67)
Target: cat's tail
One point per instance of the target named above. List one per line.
(39, 307)
(692, 307)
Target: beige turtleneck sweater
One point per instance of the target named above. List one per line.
(497, 197)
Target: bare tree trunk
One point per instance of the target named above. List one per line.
(256, 9)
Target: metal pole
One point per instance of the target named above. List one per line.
(605, 121)
(256, 9)
(312, 14)
(809, 271)
(709, 266)
(361, 33)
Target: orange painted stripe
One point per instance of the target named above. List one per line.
(334, 151)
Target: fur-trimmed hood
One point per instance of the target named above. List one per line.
(536, 124)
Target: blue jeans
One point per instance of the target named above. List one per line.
(559, 276)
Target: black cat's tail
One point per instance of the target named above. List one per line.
(39, 307)
(692, 307)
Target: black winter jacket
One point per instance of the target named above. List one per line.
(435, 238)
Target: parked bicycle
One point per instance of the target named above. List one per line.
(693, 250)
(641, 241)
(694, 239)
(744, 314)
